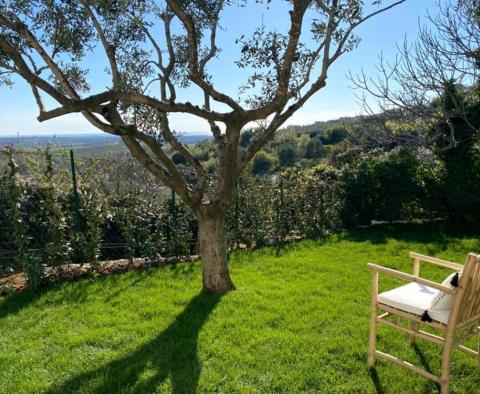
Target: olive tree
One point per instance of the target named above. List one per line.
(156, 49)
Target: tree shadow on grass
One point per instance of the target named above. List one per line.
(122, 284)
(14, 303)
(173, 353)
(437, 233)
(182, 269)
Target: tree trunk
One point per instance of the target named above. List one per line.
(213, 252)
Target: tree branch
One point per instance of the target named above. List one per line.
(195, 75)
(143, 157)
(109, 49)
(93, 102)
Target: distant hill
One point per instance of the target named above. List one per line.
(193, 139)
(97, 144)
(321, 126)
(101, 141)
(91, 142)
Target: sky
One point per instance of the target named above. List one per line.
(378, 36)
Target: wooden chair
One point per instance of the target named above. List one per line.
(458, 324)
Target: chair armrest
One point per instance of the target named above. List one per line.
(411, 278)
(435, 261)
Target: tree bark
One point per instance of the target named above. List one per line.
(213, 252)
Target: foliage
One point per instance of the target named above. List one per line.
(178, 158)
(289, 145)
(314, 148)
(334, 134)
(287, 154)
(461, 181)
(114, 220)
(263, 163)
(393, 186)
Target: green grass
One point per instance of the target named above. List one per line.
(298, 322)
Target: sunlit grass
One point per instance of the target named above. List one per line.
(298, 322)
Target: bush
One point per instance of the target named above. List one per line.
(461, 177)
(295, 203)
(263, 163)
(287, 154)
(314, 149)
(178, 158)
(334, 134)
(246, 138)
(388, 187)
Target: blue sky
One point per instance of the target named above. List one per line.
(379, 35)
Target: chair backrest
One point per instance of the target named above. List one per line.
(469, 306)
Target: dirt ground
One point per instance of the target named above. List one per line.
(17, 282)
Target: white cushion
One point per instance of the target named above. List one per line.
(413, 297)
(444, 301)
(416, 299)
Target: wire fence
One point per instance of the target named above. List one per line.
(58, 208)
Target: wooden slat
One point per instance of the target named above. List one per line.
(372, 341)
(411, 278)
(473, 285)
(420, 334)
(410, 316)
(476, 290)
(466, 337)
(384, 315)
(408, 365)
(471, 297)
(457, 314)
(413, 324)
(467, 350)
(439, 262)
(469, 322)
(416, 266)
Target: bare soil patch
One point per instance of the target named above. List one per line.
(17, 282)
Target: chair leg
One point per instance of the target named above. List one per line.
(478, 351)
(446, 359)
(372, 342)
(415, 326)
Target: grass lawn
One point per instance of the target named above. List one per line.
(298, 322)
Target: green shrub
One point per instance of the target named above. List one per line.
(263, 163)
(287, 154)
(391, 186)
(314, 149)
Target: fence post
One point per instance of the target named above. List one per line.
(174, 210)
(48, 166)
(237, 214)
(76, 198)
(11, 163)
(281, 191)
(322, 211)
(25, 258)
(283, 230)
